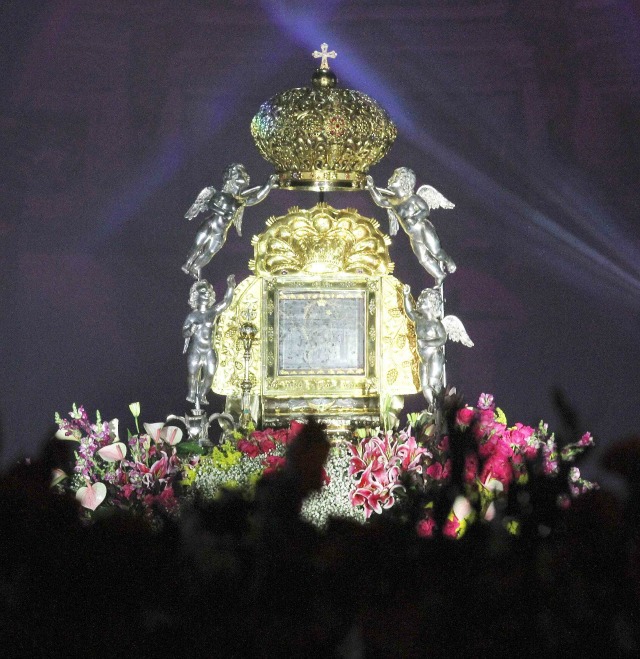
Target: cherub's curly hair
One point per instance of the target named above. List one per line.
(231, 170)
(407, 179)
(433, 299)
(194, 293)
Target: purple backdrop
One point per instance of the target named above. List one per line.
(114, 115)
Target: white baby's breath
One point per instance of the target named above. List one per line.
(333, 499)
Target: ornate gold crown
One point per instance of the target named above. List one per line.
(321, 240)
(322, 137)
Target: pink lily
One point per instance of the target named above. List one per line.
(159, 469)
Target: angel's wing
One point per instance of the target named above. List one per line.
(237, 219)
(456, 331)
(201, 203)
(393, 222)
(433, 198)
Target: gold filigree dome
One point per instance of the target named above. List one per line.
(323, 137)
(321, 240)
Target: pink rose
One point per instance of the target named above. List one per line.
(451, 528)
(426, 527)
(465, 416)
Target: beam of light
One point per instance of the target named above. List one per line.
(163, 165)
(613, 257)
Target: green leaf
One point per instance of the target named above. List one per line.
(501, 417)
(189, 448)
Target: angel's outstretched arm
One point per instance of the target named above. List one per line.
(378, 194)
(408, 304)
(228, 296)
(256, 195)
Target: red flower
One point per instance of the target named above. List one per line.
(273, 463)
(465, 416)
(470, 468)
(426, 527)
(325, 477)
(294, 430)
(248, 448)
(266, 444)
(451, 527)
(438, 472)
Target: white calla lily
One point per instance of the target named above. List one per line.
(113, 452)
(92, 495)
(68, 435)
(172, 435)
(154, 430)
(57, 476)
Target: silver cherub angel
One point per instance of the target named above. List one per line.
(225, 207)
(410, 210)
(197, 330)
(432, 332)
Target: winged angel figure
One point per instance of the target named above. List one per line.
(410, 210)
(225, 207)
(432, 332)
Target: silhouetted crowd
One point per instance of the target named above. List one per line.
(245, 576)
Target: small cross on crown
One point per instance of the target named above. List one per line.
(324, 54)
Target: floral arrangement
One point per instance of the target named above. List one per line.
(385, 463)
(242, 462)
(362, 477)
(142, 475)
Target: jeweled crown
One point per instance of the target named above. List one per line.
(322, 137)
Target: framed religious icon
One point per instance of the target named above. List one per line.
(319, 355)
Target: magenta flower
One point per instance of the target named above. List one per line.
(486, 402)
(465, 416)
(586, 440)
(439, 472)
